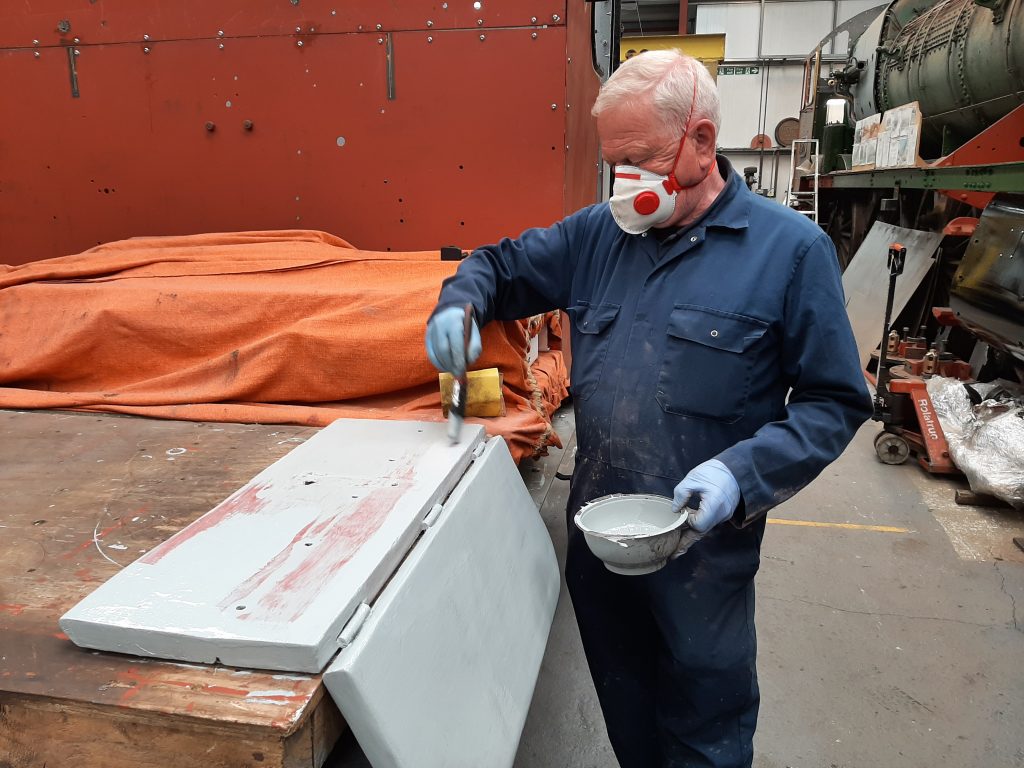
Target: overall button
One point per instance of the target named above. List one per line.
(693, 239)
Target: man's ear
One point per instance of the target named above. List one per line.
(704, 136)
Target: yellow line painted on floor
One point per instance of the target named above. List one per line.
(844, 526)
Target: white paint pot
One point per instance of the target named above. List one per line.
(632, 534)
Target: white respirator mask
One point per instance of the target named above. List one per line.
(643, 199)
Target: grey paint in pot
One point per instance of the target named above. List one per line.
(632, 534)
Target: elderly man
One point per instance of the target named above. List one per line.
(713, 363)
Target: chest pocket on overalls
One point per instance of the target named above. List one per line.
(590, 345)
(708, 365)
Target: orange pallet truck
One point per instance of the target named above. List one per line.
(902, 404)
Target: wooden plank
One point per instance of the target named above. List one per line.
(83, 496)
(269, 577)
(963, 496)
(35, 733)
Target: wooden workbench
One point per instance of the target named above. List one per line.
(82, 495)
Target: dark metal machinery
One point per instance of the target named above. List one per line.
(962, 61)
(988, 289)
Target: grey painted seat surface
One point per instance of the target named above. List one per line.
(443, 668)
(269, 577)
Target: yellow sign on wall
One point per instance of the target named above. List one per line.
(708, 49)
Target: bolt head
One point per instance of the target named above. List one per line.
(146, 49)
(37, 54)
(35, 42)
(210, 126)
(77, 52)
(483, 37)
(380, 40)
(555, 17)
(533, 19)
(534, 35)
(334, 13)
(430, 23)
(221, 46)
(298, 29)
(77, 40)
(379, 27)
(220, 33)
(430, 39)
(299, 43)
(479, 22)
(554, 106)
(145, 37)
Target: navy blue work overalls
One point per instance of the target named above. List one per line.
(729, 340)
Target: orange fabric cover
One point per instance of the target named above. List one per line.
(290, 327)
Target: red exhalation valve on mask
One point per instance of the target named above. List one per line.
(646, 203)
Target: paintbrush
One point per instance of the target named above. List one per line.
(460, 387)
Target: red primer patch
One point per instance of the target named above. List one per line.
(338, 538)
(255, 581)
(245, 501)
(341, 541)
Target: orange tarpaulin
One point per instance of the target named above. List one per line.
(293, 327)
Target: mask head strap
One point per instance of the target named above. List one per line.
(672, 184)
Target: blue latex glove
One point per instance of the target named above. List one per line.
(713, 485)
(446, 344)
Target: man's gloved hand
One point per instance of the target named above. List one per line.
(713, 485)
(446, 342)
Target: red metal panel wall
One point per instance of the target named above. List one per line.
(119, 21)
(583, 150)
(471, 147)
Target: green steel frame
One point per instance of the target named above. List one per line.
(997, 177)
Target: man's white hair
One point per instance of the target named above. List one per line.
(666, 79)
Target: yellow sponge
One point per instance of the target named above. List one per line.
(484, 397)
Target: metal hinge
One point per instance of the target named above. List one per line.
(431, 517)
(351, 629)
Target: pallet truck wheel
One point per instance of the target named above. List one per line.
(891, 449)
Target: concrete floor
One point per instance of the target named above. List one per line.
(895, 643)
